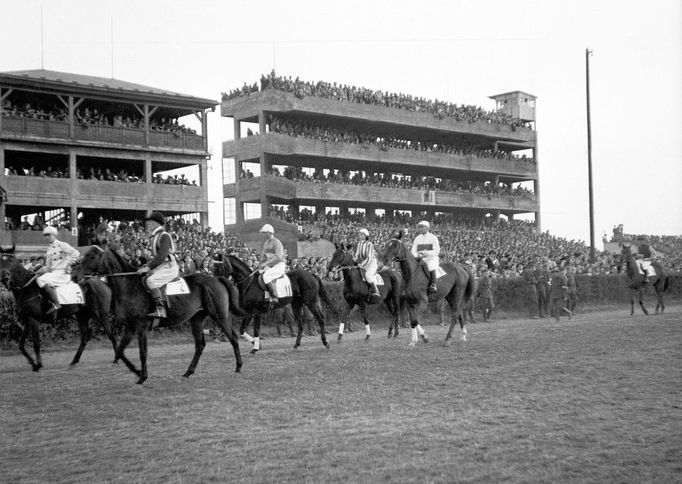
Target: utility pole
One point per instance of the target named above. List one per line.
(588, 53)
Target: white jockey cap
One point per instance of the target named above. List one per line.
(267, 228)
(424, 223)
(364, 231)
(50, 230)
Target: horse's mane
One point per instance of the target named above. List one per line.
(125, 266)
(239, 265)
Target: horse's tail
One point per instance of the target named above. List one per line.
(667, 283)
(324, 295)
(233, 293)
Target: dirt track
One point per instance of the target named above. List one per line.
(593, 399)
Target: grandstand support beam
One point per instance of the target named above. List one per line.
(2, 98)
(73, 105)
(73, 182)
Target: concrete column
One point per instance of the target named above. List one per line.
(237, 129)
(2, 158)
(261, 122)
(239, 212)
(148, 180)
(3, 184)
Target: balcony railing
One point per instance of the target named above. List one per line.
(44, 128)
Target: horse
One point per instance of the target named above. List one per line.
(636, 281)
(456, 286)
(209, 296)
(356, 291)
(32, 304)
(307, 290)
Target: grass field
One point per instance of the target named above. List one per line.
(595, 399)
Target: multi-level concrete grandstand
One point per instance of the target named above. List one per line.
(74, 148)
(331, 152)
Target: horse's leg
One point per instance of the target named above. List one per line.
(363, 311)
(197, 325)
(106, 325)
(142, 343)
(641, 300)
(288, 316)
(242, 328)
(296, 308)
(22, 344)
(404, 308)
(233, 338)
(35, 336)
(441, 312)
(344, 319)
(83, 318)
(417, 330)
(316, 310)
(125, 341)
(256, 333)
(632, 301)
(393, 327)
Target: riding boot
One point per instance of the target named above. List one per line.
(433, 286)
(272, 291)
(160, 311)
(54, 302)
(375, 289)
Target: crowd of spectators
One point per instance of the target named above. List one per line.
(85, 172)
(294, 127)
(388, 180)
(342, 92)
(92, 117)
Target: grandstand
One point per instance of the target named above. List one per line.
(76, 147)
(337, 149)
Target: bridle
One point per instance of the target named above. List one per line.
(346, 256)
(402, 246)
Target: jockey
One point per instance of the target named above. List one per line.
(272, 264)
(366, 258)
(56, 271)
(643, 257)
(427, 248)
(163, 267)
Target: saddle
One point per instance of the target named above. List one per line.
(645, 267)
(282, 286)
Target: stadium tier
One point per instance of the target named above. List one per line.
(299, 146)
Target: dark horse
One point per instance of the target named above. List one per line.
(32, 304)
(356, 291)
(636, 281)
(209, 296)
(456, 286)
(307, 290)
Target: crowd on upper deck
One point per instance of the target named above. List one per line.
(343, 92)
(92, 117)
(291, 126)
(389, 180)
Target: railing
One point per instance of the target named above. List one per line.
(44, 128)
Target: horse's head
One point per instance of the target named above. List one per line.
(343, 256)
(395, 250)
(626, 251)
(223, 268)
(9, 266)
(90, 263)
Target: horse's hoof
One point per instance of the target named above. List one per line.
(254, 351)
(141, 380)
(72, 365)
(188, 374)
(339, 338)
(327, 345)
(448, 342)
(411, 345)
(36, 368)
(425, 338)
(296, 347)
(367, 337)
(464, 337)
(238, 369)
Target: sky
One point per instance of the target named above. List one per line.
(454, 50)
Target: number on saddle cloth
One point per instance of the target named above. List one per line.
(176, 287)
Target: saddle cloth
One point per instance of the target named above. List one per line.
(282, 286)
(440, 272)
(379, 279)
(69, 294)
(177, 287)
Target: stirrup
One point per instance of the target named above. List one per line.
(53, 308)
(159, 312)
(433, 288)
